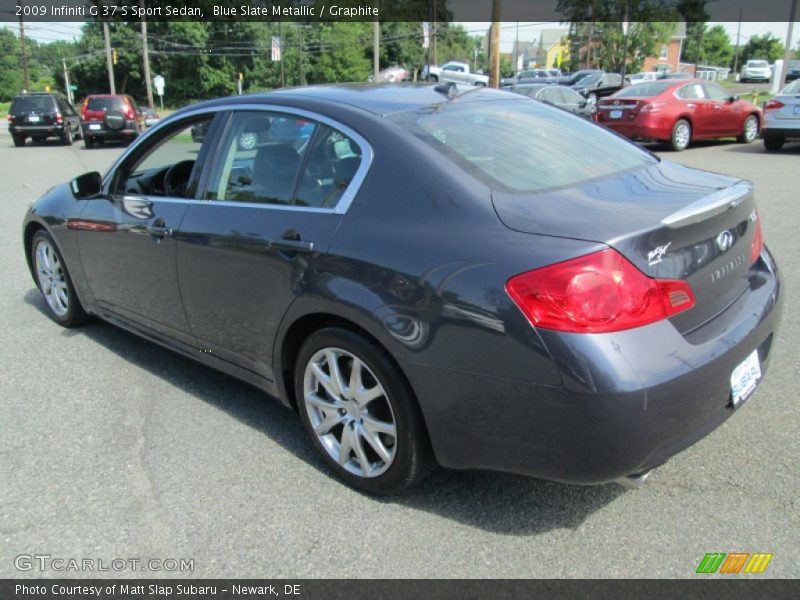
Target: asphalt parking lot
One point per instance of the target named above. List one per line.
(111, 447)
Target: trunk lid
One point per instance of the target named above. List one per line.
(33, 110)
(790, 109)
(670, 221)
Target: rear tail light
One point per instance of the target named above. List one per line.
(597, 293)
(83, 109)
(758, 239)
(652, 107)
(128, 111)
(773, 105)
(59, 118)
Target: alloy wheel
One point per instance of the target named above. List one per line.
(682, 133)
(350, 412)
(750, 129)
(51, 278)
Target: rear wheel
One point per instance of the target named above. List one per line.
(749, 130)
(360, 412)
(54, 282)
(681, 135)
(66, 137)
(19, 140)
(774, 143)
(88, 142)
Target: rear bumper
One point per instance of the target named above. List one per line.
(788, 133)
(629, 400)
(104, 133)
(638, 131)
(36, 130)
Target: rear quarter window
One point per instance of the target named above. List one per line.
(643, 90)
(523, 146)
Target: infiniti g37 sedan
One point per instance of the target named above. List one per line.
(474, 280)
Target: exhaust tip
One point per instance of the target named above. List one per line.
(634, 481)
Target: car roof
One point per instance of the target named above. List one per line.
(378, 99)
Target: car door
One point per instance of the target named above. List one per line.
(694, 104)
(280, 183)
(127, 238)
(727, 116)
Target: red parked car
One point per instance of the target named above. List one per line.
(679, 112)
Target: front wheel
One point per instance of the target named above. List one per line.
(749, 130)
(55, 283)
(681, 135)
(360, 412)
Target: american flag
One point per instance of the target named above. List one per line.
(276, 48)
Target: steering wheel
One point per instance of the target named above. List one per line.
(176, 178)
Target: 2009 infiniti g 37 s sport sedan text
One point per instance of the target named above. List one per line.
(476, 280)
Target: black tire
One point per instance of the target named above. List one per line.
(413, 457)
(114, 120)
(38, 139)
(19, 140)
(434, 78)
(773, 143)
(744, 136)
(676, 141)
(88, 142)
(74, 315)
(66, 137)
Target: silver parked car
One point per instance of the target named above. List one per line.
(755, 70)
(782, 117)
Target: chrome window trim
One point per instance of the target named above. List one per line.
(342, 206)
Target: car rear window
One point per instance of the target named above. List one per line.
(104, 104)
(644, 90)
(26, 104)
(522, 146)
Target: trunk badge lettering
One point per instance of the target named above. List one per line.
(656, 255)
(724, 241)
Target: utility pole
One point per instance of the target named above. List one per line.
(109, 62)
(736, 54)
(788, 52)
(625, 26)
(280, 47)
(66, 80)
(26, 82)
(146, 58)
(376, 40)
(514, 67)
(434, 33)
(494, 46)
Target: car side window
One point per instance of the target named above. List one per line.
(278, 158)
(714, 92)
(692, 91)
(165, 168)
(260, 157)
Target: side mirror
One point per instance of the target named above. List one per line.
(88, 185)
(734, 98)
(583, 103)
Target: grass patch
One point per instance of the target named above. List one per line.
(4, 106)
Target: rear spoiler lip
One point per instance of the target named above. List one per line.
(708, 206)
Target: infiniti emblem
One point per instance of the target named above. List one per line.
(725, 241)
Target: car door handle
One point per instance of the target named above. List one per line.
(690, 105)
(160, 231)
(290, 242)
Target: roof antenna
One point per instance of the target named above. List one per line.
(449, 89)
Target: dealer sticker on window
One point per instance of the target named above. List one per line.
(745, 378)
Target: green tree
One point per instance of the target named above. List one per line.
(10, 72)
(767, 47)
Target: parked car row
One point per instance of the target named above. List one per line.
(103, 117)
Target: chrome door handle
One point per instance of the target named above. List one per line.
(690, 105)
(160, 231)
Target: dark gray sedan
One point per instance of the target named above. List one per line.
(558, 95)
(472, 280)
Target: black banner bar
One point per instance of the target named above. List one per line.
(732, 588)
(545, 11)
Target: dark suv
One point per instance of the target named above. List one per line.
(40, 116)
(107, 117)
